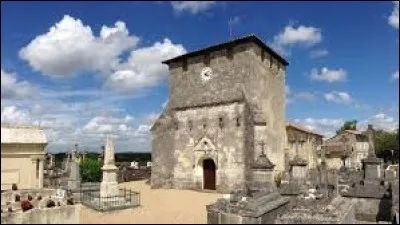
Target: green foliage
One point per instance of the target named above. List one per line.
(278, 178)
(348, 125)
(386, 141)
(132, 156)
(90, 169)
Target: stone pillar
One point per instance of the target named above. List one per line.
(41, 172)
(298, 167)
(109, 184)
(34, 183)
(373, 170)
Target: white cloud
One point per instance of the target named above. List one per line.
(287, 89)
(12, 88)
(324, 126)
(305, 96)
(380, 121)
(70, 48)
(393, 19)
(193, 7)
(318, 53)
(235, 20)
(13, 115)
(301, 35)
(328, 75)
(108, 125)
(165, 103)
(338, 97)
(144, 68)
(291, 36)
(395, 75)
(288, 98)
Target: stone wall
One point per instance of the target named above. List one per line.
(162, 155)
(244, 77)
(9, 196)
(226, 146)
(57, 215)
(265, 89)
(19, 165)
(371, 209)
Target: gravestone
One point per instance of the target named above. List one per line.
(74, 178)
(298, 167)
(257, 203)
(109, 184)
(373, 171)
(263, 168)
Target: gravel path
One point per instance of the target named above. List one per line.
(158, 206)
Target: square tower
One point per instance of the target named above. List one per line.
(224, 101)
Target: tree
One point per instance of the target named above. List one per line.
(90, 170)
(385, 142)
(348, 125)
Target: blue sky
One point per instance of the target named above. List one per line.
(86, 69)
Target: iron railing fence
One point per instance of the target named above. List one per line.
(124, 200)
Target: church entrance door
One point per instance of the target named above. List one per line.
(209, 174)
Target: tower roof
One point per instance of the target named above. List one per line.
(250, 38)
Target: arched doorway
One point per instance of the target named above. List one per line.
(209, 174)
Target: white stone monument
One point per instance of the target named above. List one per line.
(109, 184)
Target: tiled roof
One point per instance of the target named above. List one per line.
(301, 128)
(22, 135)
(248, 38)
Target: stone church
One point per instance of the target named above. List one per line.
(226, 108)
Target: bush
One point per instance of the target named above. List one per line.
(70, 201)
(90, 170)
(14, 187)
(26, 205)
(17, 198)
(30, 198)
(9, 209)
(39, 197)
(278, 178)
(50, 203)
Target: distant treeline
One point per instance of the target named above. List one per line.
(119, 157)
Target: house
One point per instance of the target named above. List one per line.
(306, 141)
(352, 144)
(22, 157)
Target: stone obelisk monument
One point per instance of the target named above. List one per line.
(109, 184)
(373, 170)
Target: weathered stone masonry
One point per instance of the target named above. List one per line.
(222, 119)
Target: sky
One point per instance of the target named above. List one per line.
(85, 70)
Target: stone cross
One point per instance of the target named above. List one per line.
(262, 144)
(344, 140)
(370, 135)
(297, 145)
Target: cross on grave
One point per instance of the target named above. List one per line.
(262, 144)
(344, 140)
(297, 145)
(370, 135)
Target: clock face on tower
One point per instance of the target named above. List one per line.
(206, 73)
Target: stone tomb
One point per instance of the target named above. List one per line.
(336, 211)
(256, 204)
(263, 168)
